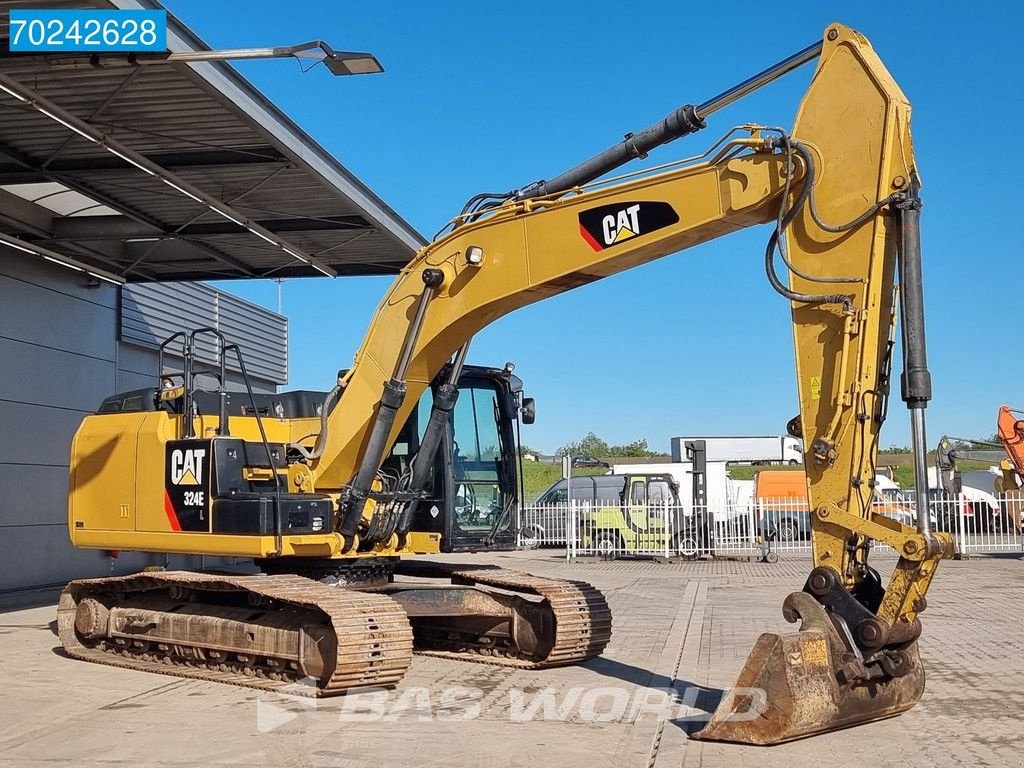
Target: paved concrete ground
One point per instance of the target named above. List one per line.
(676, 626)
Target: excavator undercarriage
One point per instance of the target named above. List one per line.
(283, 631)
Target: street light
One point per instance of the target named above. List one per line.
(337, 62)
(351, 63)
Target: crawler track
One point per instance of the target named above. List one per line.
(579, 615)
(369, 636)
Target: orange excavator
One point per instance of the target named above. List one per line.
(1011, 480)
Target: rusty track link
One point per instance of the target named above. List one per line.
(372, 634)
(581, 617)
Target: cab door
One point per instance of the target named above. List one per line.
(646, 511)
(634, 512)
(481, 478)
(660, 503)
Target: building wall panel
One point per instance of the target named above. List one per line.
(64, 346)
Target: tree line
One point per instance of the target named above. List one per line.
(595, 447)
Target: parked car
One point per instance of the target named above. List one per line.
(892, 501)
(780, 505)
(623, 514)
(544, 522)
(971, 511)
(589, 461)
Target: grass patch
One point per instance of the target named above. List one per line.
(903, 474)
(747, 473)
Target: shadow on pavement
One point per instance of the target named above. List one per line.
(702, 700)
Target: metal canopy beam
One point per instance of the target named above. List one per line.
(22, 214)
(344, 270)
(224, 80)
(82, 228)
(202, 122)
(140, 161)
(38, 223)
(14, 173)
(139, 221)
(78, 185)
(158, 254)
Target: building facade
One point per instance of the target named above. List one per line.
(66, 343)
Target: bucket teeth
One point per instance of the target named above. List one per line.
(796, 685)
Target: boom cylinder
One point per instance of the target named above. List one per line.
(391, 401)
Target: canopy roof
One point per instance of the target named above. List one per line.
(175, 171)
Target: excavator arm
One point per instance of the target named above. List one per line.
(842, 190)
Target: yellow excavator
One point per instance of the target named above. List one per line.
(305, 495)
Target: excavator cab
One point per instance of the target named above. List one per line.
(474, 485)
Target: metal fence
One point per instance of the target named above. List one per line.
(766, 528)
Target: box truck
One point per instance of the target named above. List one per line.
(744, 449)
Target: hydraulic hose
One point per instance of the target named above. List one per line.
(321, 438)
(445, 397)
(786, 217)
(806, 197)
(392, 398)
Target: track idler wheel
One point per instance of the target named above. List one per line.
(803, 683)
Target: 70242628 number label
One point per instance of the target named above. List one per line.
(47, 31)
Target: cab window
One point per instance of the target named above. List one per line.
(477, 463)
(556, 496)
(659, 493)
(638, 492)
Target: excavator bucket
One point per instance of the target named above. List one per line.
(799, 684)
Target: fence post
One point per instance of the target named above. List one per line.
(665, 516)
(962, 538)
(1013, 507)
(569, 532)
(1015, 519)
(752, 528)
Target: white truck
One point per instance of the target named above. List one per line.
(744, 449)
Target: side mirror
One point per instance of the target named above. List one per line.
(529, 410)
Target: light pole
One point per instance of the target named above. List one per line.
(338, 63)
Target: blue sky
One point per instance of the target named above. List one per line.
(483, 97)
